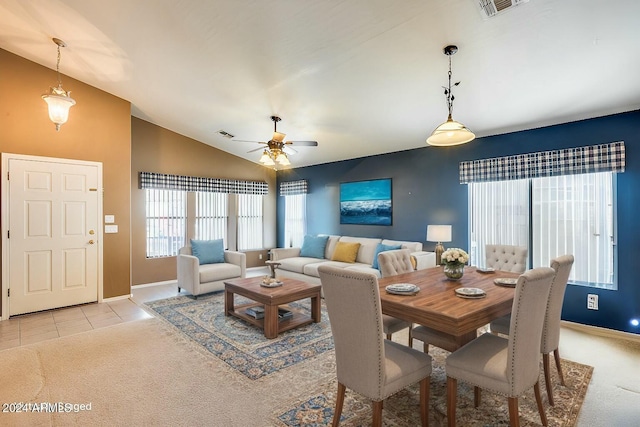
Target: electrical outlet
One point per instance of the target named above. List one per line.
(259, 256)
(592, 301)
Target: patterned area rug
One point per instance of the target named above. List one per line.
(239, 344)
(315, 409)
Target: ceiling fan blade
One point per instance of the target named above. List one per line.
(256, 149)
(303, 143)
(289, 150)
(255, 142)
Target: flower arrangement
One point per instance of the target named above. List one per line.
(454, 256)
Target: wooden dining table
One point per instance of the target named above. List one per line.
(437, 306)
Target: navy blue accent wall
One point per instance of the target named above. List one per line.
(426, 190)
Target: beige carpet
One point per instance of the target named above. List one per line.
(143, 373)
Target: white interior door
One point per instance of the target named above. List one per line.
(54, 233)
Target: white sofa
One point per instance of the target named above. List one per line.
(305, 268)
(201, 279)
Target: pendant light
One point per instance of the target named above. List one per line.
(59, 100)
(450, 132)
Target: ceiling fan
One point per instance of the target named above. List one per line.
(277, 148)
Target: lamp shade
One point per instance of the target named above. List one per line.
(450, 133)
(58, 107)
(438, 233)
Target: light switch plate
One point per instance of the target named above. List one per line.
(110, 229)
(109, 219)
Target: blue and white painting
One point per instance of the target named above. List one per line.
(366, 202)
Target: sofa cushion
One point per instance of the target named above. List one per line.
(346, 252)
(219, 271)
(296, 264)
(367, 247)
(312, 269)
(331, 246)
(382, 248)
(208, 251)
(314, 246)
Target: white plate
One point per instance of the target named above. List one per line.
(470, 292)
(402, 289)
(471, 296)
(506, 281)
(485, 270)
(271, 285)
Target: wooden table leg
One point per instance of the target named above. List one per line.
(270, 321)
(316, 306)
(228, 303)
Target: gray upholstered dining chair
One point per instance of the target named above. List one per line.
(506, 258)
(507, 366)
(551, 329)
(392, 263)
(366, 362)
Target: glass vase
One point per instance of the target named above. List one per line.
(454, 271)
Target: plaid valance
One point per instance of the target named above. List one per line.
(164, 181)
(292, 188)
(569, 161)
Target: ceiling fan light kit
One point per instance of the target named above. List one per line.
(450, 132)
(276, 149)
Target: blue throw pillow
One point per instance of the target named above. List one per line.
(313, 246)
(382, 248)
(208, 251)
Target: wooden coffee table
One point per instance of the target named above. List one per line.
(291, 290)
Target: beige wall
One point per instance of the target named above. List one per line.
(155, 149)
(99, 129)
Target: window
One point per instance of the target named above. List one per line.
(249, 221)
(295, 221)
(211, 216)
(568, 214)
(166, 218)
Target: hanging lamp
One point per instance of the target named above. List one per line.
(450, 132)
(59, 100)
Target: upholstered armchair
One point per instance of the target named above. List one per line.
(200, 279)
(506, 258)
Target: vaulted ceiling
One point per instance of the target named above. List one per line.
(362, 77)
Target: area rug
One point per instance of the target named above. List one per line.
(315, 409)
(237, 343)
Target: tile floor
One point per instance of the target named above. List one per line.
(31, 328)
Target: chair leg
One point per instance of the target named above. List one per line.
(547, 377)
(389, 337)
(339, 402)
(477, 396)
(424, 401)
(514, 417)
(179, 289)
(410, 337)
(452, 392)
(536, 390)
(556, 356)
(377, 413)
(425, 347)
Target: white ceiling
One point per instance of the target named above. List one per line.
(362, 77)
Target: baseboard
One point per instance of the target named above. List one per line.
(603, 332)
(112, 299)
(146, 285)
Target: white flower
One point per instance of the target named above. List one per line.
(454, 256)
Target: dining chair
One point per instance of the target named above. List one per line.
(392, 263)
(507, 366)
(506, 258)
(551, 330)
(366, 362)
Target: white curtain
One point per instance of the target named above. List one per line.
(573, 214)
(295, 222)
(211, 216)
(250, 219)
(498, 215)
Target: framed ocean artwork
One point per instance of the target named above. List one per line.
(366, 202)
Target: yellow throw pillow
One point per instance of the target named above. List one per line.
(345, 252)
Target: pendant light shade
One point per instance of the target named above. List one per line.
(58, 100)
(450, 132)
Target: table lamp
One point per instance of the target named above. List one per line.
(439, 234)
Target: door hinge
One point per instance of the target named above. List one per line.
(8, 234)
(7, 175)
(9, 292)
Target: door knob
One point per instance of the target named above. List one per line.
(91, 242)
(92, 232)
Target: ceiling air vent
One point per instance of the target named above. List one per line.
(490, 8)
(226, 134)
